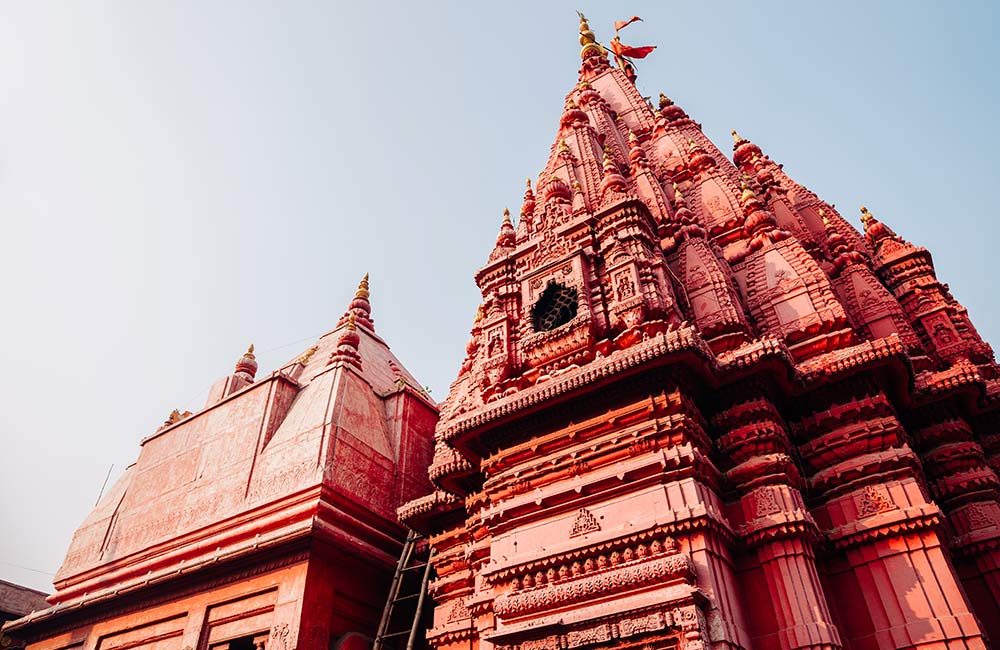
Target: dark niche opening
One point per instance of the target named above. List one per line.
(556, 306)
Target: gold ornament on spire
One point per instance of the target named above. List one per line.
(249, 353)
(736, 137)
(866, 217)
(350, 322)
(822, 215)
(747, 192)
(677, 193)
(587, 39)
(362, 291)
(506, 215)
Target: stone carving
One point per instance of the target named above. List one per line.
(584, 523)
(874, 500)
(459, 611)
(570, 589)
(978, 517)
(767, 504)
(280, 635)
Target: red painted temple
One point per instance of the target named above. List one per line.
(267, 519)
(698, 410)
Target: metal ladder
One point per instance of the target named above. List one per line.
(406, 565)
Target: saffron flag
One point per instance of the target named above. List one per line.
(622, 24)
(621, 49)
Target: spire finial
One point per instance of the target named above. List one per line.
(822, 215)
(362, 291)
(866, 217)
(736, 137)
(588, 41)
(250, 352)
(506, 215)
(360, 308)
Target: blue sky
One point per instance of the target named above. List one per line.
(179, 179)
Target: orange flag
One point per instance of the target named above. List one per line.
(625, 23)
(621, 49)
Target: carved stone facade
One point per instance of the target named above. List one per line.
(755, 428)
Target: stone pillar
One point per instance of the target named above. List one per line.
(775, 521)
(966, 487)
(874, 511)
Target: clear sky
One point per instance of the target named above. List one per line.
(180, 179)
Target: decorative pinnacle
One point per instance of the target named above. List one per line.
(677, 193)
(250, 352)
(506, 215)
(527, 182)
(747, 192)
(305, 356)
(736, 137)
(350, 323)
(587, 39)
(866, 217)
(479, 314)
(563, 147)
(822, 215)
(362, 291)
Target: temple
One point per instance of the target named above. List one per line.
(267, 519)
(701, 410)
(698, 409)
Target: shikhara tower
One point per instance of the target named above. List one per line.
(699, 409)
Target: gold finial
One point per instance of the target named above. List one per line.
(664, 101)
(563, 147)
(527, 182)
(305, 356)
(822, 215)
(584, 84)
(587, 39)
(576, 186)
(362, 291)
(632, 137)
(866, 217)
(250, 352)
(677, 193)
(506, 215)
(747, 192)
(350, 322)
(736, 137)
(692, 145)
(479, 313)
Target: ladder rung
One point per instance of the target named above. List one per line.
(415, 566)
(402, 598)
(394, 634)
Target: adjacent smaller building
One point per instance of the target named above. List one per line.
(266, 519)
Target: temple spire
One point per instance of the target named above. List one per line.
(505, 239)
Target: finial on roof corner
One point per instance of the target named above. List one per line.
(246, 367)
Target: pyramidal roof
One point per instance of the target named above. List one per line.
(343, 422)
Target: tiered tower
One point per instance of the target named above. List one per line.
(699, 409)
